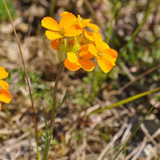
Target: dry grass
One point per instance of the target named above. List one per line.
(77, 136)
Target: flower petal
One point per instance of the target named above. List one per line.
(98, 40)
(84, 22)
(89, 35)
(50, 24)
(93, 50)
(72, 57)
(3, 73)
(93, 27)
(86, 64)
(5, 96)
(67, 19)
(85, 53)
(73, 30)
(71, 66)
(104, 64)
(55, 44)
(51, 35)
(110, 55)
(4, 84)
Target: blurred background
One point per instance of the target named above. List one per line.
(78, 134)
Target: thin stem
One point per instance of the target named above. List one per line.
(28, 84)
(52, 7)
(134, 132)
(111, 22)
(53, 113)
(139, 27)
(127, 100)
(124, 49)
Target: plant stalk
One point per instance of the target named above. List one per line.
(27, 80)
(53, 113)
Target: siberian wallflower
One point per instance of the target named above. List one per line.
(105, 56)
(80, 21)
(79, 59)
(5, 95)
(76, 46)
(66, 27)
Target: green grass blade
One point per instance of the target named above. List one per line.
(112, 19)
(127, 100)
(140, 26)
(132, 135)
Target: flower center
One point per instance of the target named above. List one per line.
(61, 31)
(100, 53)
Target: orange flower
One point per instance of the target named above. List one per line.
(66, 27)
(105, 56)
(5, 96)
(74, 42)
(80, 59)
(55, 44)
(82, 22)
(3, 74)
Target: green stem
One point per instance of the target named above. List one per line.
(111, 22)
(53, 114)
(139, 27)
(51, 12)
(126, 100)
(132, 135)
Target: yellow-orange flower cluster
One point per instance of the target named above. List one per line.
(5, 96)
(76, 45)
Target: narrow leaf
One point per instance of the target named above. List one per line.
(127, 100)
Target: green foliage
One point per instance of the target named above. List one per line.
(3, 12)
(59, 105)
(105, 133)
(40, 89)
(45, 135)
(134, 133)
(78, 135)
(137, 96)
(92, 85)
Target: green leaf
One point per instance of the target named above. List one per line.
(127, 100)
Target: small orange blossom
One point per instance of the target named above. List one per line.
(5, 96)
(79, 59)
(105, 56)
(76, 46)
(66, 27)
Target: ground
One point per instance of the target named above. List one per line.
(79, 132)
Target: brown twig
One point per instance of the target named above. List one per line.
(117, 135)
(27, 79)
(134, 80)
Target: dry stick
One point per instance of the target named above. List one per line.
(28, 84)
(137, 148)
(138, 77)
(141, 147)
(122, 65)
(134, 132)
(84, 149)
(117, 135)
(145, 131)
(132, 153)
(134, 80)
(53, 113)
(126, 134)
